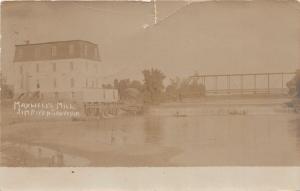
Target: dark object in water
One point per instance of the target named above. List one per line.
(289, 104)
(135, 109)
(294, 104)
(179, 115)
(236, 112)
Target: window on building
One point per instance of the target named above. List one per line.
(20, 53)
(37, 52)
(54, 67)
(73, 95)
(86, 83)
(21, 69)
(96, 52)
(85, 50)
(72, 83)
(96, 67)
(71, 49)
(53, 51)
(71, 66)
(104, 93)
(38, 84)
(37, 68)
(54, 83)
(56, 95)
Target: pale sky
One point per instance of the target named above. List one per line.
(207, 37)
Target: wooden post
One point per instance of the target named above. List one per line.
(254, 83)
(298, 83)
(203, 81)
(268, 75)
(242, 84)
(282, 80)
(216, 85)
(228, 83)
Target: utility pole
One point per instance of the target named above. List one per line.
(155, 12)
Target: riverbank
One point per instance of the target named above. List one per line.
(204, 136)
(21, 142)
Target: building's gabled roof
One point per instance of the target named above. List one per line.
(57, 50)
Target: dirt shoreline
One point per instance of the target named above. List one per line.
(101, 158)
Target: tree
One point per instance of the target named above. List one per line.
(116, 84)
(294, 85)
(172, 90)
(123, 85)
(137, 85)
(153, 85)
(298, 83)
(107, 86)
(6, 90)
(180, 88)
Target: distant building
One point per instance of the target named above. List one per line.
(62, 69)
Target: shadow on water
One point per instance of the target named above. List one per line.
(295, 130)
(152, 129)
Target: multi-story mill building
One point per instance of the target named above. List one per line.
(62, 69)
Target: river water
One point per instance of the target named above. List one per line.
(216, 132)
(209, 132)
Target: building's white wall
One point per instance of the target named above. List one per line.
(82, 70)
(100, 95)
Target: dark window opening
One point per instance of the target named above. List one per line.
(38, 84)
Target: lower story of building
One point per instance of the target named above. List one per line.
(86, 95)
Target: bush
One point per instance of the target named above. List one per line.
(7, 91)
(297, 83)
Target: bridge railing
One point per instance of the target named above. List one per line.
(229, 79)
(249, 91)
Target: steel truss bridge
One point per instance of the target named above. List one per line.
(245, 84)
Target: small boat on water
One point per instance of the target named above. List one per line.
(180, 115)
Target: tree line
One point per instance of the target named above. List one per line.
(152, 90)
(294, 85)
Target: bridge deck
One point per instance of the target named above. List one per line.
(229, 79)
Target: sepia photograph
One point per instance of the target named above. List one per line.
(150, 83)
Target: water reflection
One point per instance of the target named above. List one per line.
(152, 130)
(214, 139)
(200, 135)
(295, 131)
